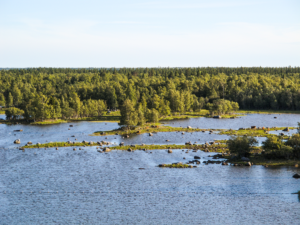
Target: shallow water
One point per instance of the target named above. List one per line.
(259, 120)
(86, 187)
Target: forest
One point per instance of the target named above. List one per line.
(50, 93)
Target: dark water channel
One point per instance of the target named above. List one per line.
(63, 186)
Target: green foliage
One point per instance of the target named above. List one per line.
(294, 142)
(221, 106)
(50, 93)
(241, 145)
(275, 147)
(128, 115)
(13, 113)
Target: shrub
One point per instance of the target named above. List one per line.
(241, 145)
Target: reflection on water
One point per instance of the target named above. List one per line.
(64, 186)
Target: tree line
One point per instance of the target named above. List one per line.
(43, 93)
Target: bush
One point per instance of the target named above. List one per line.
(294, 142)
(241, 145)
(275, 147)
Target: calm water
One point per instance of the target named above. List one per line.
(259, 120)
(41, 186)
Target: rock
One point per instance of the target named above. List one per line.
(21, 148)
(296, 175)
(282, 134)
(150, 134)
(275, 117)
(211, 142)
(224, 163)
(106, 149)
(129, 150)
(74, 149)
(286, 129)
(29, 143)
(190, 166)
(189, 127)
(161, 165)
(18, 130)
(245, 159)
(91, 143)
(197, 157)
(141, 168)
(182, 133)
(71, 126)
(56, 148)
(170, 151)
(253, 127)
(167, 140)
(248, 164)
(121, 144)
(132, 146)
(18, 141)
(217, 117)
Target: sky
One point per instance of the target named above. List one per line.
(166, 33)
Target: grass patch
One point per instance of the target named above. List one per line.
(60, 144)
(210, 148)
(98, 118)
(269, 111)
(149, 128)
(259, 159)
(254, 132)
(2, 112)
(176, 165)
(48, 122)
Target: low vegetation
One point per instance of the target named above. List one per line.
(49, 122)
(257, 132)
(176, 165)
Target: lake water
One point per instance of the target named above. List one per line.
(41, 186)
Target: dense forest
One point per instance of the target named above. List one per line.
(44, 93)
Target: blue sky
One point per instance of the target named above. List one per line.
(146, 33)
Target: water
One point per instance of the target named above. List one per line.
(86, 187)
(259, 120)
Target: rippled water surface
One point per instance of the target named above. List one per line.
(63, 186)
(259, 120)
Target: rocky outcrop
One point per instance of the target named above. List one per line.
(296, 176)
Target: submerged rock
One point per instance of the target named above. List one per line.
(296, 175)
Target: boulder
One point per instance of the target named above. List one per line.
(121, 144)
(197, 157)
(286, 129)
(71, 126)
(248, 164)
(245, 159)
(161, 165)
(167, 140)
(296, 175)
(170, 151)
(56, 148)
(106, 149)
(150, 134)
(18, 141)
(91, 143)
(29, 143)
(217, 117)
(189, 127)
(224, 163)
(253, 127)
(129, 150)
